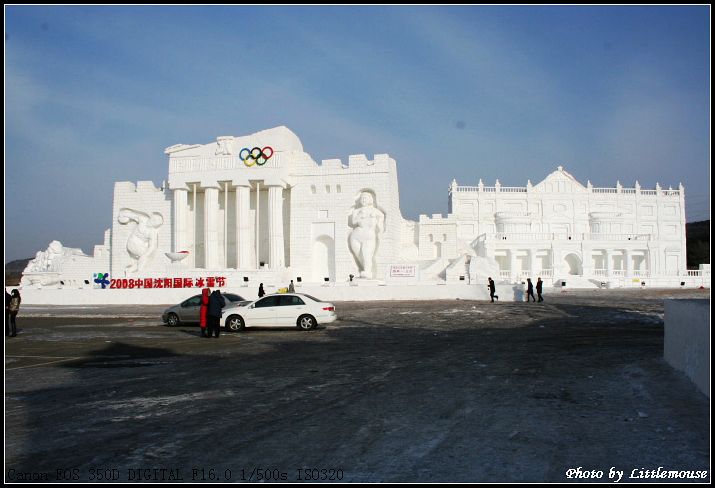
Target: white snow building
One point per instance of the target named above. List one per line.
(258, 209)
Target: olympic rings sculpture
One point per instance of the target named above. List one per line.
(255, 156)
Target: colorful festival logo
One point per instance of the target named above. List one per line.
(255, 156)
(101, 279)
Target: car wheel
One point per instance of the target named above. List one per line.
(235, 323)
(173, 320)
(306, 322)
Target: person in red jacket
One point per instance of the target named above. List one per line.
(203, 322)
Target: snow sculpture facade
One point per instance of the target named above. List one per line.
(258, 208)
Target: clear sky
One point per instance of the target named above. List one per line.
(93, 95)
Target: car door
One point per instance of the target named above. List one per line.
(190, 309)
(263, 312)
(291, 307)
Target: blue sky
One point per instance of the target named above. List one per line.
(94, 94)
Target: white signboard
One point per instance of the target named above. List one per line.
(403, 270)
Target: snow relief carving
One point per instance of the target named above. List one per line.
(480, 265)
(224, 145)
(51, 260)
(144, 239)
(367, 222)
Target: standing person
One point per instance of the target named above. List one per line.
(492, 290)
(7, 312)
(529, 290)
(204, 310)
(539, 288)
(13, 308)
(260, 291)
(216, 303)
(291, 287)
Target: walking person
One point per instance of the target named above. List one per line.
(203, 311)
(12, 309)
(216, 303)
(492, 290)
(530, 290)
(539, 288)
(260, 291)
(291, 287)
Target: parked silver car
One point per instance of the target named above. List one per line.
(188, 311)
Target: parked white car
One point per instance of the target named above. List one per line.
(279, 310)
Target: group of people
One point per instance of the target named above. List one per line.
(529, 290)
(213, 303)
(12, 306)
(210, 312)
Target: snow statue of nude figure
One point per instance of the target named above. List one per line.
(144, 239)
(367, 222)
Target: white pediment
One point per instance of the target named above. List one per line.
(179, 147)
(560, 181)
(280, 139)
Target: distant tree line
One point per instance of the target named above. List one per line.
(13, 271)
(697, 235)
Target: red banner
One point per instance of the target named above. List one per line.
(134, 283)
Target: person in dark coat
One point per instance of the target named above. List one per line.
(529, 290)
(7, 313)
(216, 303)
(12, 308)
(203, 311)
(539, 288)
(260, 291)
(291, 287)
(492, 290)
